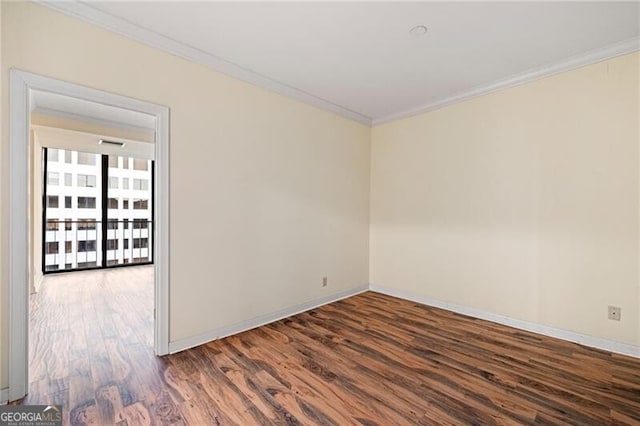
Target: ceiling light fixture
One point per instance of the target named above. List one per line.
(418, 30)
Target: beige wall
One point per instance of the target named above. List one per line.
(268, 195)
(523, 203)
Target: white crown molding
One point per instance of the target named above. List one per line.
(239, 327)
(568, 64)
(570, 336)
(130, 30)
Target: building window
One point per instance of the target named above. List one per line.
(126, 244)
(52, 225)
(140, 224)
(86, 202)
(87, 181)
(141, 184)
(68, 224)
(68, 247)
(140, 204)
(85, 246)
(87, 158)
(140, 164)
(51, 247)
(87, 265)
(140, 259)
(53, 178)
(112, 203)
(125, 223)
(113, 183)
(125, 204)
(140, 243)
(52, 155)
(68, 265)
(112, 262)
(86, 224)
(125, 163)
(52, 267)
(67, 202)
(125, 183)
(68, 179)
(67, 157)
(112, 224)
(113, 161)
(112, 244)
(52, 201)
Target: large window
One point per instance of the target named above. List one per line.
(90, 199)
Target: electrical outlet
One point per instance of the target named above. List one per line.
(324, 281)
(614, 313)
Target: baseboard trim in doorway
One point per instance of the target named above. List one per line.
(4, 396)
(239, 327)
(582, 339)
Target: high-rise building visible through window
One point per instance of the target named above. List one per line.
(89, 185)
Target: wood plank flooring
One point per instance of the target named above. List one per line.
(367, 360)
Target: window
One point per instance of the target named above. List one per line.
(140, 259)
(86, 202)
(112, 224)
(68, 265)
(126, 244)
(112, 203)
(67, 202)
(140, 164)
(140, 224)
(113, 161)
(52, 201)
(87, 264)
(141, 184)
(51, 268)
(68, 224)
(87, 158)
(52, 154)
(67, 157)
(86, 224)
(68, 247)
(87, 181)
(53, 178)
(125, 183)
(52, 225)
(140, 243)
(125, 203)
(140, 204)
(125, 224)
(68, 179)
(112, 262)
(112, 244)
(113, 183)
(84, 246)
(51, 248)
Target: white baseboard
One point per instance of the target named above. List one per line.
(594, 342)
(4, 396)
(190, 342)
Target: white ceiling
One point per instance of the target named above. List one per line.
(53, 104)
(358, 58)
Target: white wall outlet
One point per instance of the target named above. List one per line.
(324, 281)
(614, 313)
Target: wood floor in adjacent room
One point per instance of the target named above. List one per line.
(369, 360)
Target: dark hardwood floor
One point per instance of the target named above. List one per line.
(368, 360)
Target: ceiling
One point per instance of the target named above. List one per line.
(55, 105)
(358, 58)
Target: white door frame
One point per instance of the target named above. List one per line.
(21, 85)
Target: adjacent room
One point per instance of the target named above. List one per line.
(368, 213)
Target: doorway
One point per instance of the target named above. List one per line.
(23, 90)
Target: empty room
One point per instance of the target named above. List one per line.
(335, 213)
